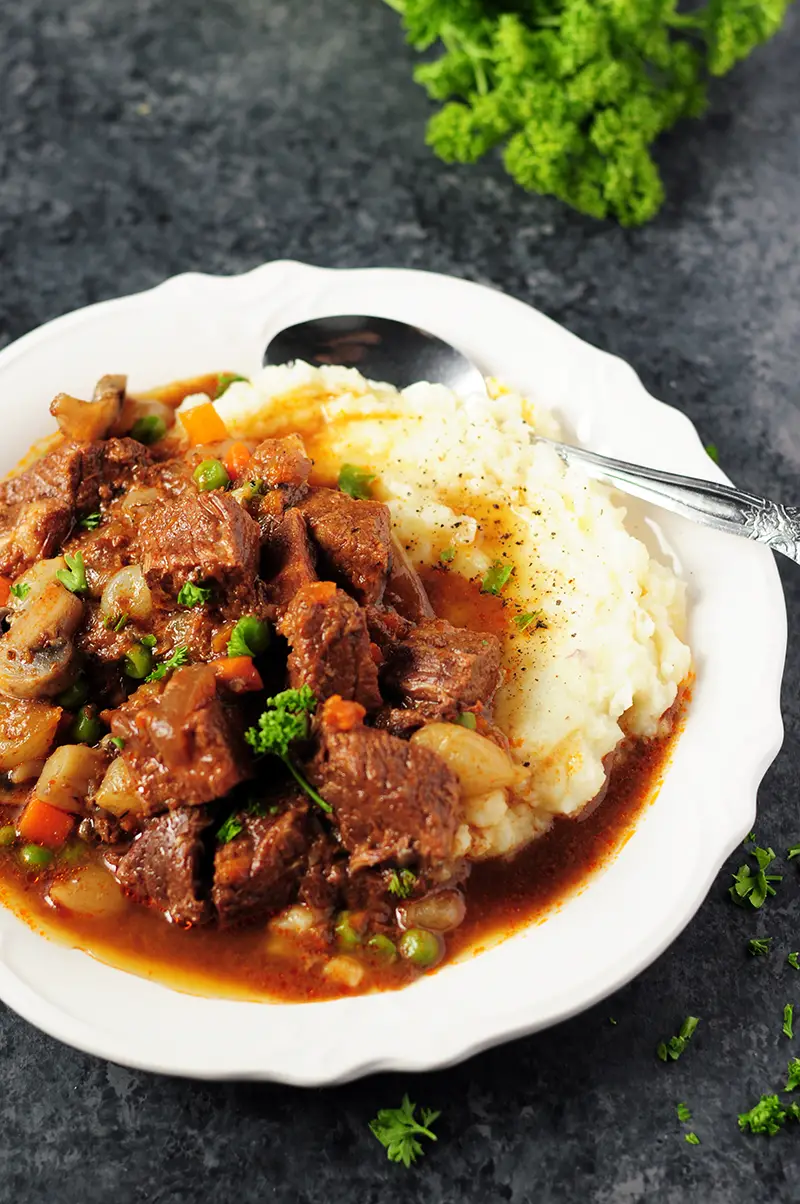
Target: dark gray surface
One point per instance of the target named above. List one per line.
(139, 140)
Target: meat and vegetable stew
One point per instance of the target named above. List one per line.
(234, 730)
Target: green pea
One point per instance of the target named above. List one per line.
(8, 834)
(35, 856)
(382, 949)
(74, 696)
(137, 662)
(422, 948)
(211, 474)
(149, 429)
(346, 935)
(467, 719)
(86, 728)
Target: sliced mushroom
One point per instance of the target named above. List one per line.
(88, 420)
(37, 656)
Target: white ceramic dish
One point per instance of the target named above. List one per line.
(628, 914)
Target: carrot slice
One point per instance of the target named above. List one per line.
(237, 459)
(42, 824)
(238, 673)
(203, 424)
(341, 715)
(5, 590)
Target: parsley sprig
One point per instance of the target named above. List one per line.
(768, 1116)
(753, 886)
(356, 481)
(286, 720)
(759, 947)
(74, 575)
(21, 590)
(496, 577)
(402, 884)
(191, 595)
(179, 657)
(398, 1130)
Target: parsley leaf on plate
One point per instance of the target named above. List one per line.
(767, 1116)
(398, 1130)
(759, 947)
(21, 590)
(692, 1139)
(73, 577)
(788, 1016)
(754, 886)
(356, 481)
(674, 1047)
(793, 1075)
(794, 851)
(496, 577)
(794, 960)
(683, 1112)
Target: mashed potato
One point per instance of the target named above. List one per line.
(597, 649)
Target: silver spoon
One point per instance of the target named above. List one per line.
(384, 349)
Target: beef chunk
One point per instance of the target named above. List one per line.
(393, 802)
(330, 645)
(288, 563)
(400, 721)
(354, 538)
(183, 745)
(441, 670)
(325, 876)
(282, 464)
(39, 506)
(405, 592)
(200, 537)
(164, 865)
(259, 870)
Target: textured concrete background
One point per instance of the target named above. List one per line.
(139, 140)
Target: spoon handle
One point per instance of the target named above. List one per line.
(713, 505)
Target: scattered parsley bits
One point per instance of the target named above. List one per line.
(356, 481)
(398, 1129)
(794, 851)
(528, 619)
(611, 1020)
(692, 1139)
(73, 577)
(179, 657)
(767, 1116)
(759, 947)
(249, 637)
(793, 1075)
(225, 380)
(683, 1113)
(794, 960)
(712, 451)
(284, 721)
(191, 595)
(116, 622)
(675, 1046)
(788, 1015)
(496, 577)
(230, 828)
(447, 555)
(91, 521)
(402, 884)
(21, 590)
(750, 838)
(751, 886)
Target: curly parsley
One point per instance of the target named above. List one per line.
(191, 595)
(285, 720)
(398, 1130)
(179, 657)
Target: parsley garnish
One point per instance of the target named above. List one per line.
(750, 838)
(148, 641)
(754, 887)
(674, 1047)
(231, 827)
(794, 960)
(74, 575)
(793, 1075)
(712, 451)
(249, 637)
(225, 380)
(402, 884)
(91, 521)
(767, 1116)
(116, 622)
(496, 577)
(21, 590)
(191, 595)
(692, 1139)
(118, 742)
(524, 621)
(447, 555)
(759, 947)
(794, 851)
(611, 1020)
(179, 657)
(397, 1129)
(683, 1113)
(356, 481)
(284, 721)
(788, 1014)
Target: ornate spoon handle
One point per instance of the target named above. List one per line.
(706, 502)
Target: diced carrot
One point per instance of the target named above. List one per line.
(319, 591)
(341, 715)
(42, 824)
(375, 653)
(239, 674)
(236, 460)
(5, 590)
(203, 424)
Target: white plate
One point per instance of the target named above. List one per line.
(599, 939)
